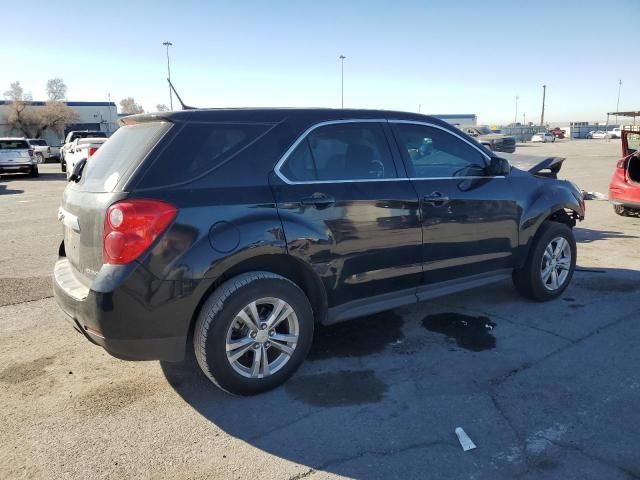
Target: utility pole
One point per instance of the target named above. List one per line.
(419, 107)
(618, 102)
(544, 92)
(524, 119)
(169, 44)
(515, 119)
(342, 57)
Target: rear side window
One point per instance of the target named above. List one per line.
(197, 149)
(13, 144)
(39, 143)
(345, 151)
(124, 150)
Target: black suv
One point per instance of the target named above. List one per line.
(235, 232)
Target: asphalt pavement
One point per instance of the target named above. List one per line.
(545, 391)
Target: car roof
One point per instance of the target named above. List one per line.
(276, 115)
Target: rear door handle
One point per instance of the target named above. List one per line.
(318, 200)
(436, 199)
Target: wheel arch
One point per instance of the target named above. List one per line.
(284, 265)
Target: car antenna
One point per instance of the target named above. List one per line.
(184, 107)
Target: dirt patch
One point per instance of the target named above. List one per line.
(26, 371)
(337, 389)
(357, 338)
(470, 333)
(112, 397)
(20, 290)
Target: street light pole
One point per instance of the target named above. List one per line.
(342, 57)
(169, 44)
(618, 102)
(544, 92)
(515, 119)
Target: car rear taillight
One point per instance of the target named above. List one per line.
(131, 226)
(91, 151)
(48, 149)
(31, 153)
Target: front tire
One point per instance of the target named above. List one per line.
(624, 211)
(39, 158)
(253, 333)
(549, 265)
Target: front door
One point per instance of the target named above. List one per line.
(348, 209)
(469, 219)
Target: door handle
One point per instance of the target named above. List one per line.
(436, 199)
(318, 200)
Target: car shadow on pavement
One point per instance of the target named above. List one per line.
(9, 191)
(396, 401)
(587, 235)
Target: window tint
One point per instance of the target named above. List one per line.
(13, 144)
(126, 148)
(433, 152)
(346, 151)
(197, 149)
(40, 143)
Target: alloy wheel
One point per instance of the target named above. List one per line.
(262, 337)
(556, 264)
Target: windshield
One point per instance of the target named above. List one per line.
(13, 144)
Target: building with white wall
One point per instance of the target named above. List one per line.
(101, 116)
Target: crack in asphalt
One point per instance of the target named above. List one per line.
(384, 453)
(306, 474)
(591, 456)
(25, 301)
(283, 426)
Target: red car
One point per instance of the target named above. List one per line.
(558, 132)
(624, 189)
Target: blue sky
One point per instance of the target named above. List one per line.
(449, 57)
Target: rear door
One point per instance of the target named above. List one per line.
(469, 219)
(348, 209)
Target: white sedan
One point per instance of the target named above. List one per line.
(598, 134)
(543, 137)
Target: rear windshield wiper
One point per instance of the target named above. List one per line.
(77, 171)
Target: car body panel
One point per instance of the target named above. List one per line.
(624, 187)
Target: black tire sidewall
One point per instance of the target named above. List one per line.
(549, 231)
(215, 345)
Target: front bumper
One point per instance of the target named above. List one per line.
(508, 148)
(118, 320)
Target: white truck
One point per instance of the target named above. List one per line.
(81, 148)
(615, 133)
(68, 142)
(42, 150)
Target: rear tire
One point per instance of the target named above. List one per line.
(621, 210)
(34, 172)
(546, 275)
(228, 341)
(40, 158)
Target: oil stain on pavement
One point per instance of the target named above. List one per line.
(337, 389)
(23, 372)
(470, 333)
(357, 338)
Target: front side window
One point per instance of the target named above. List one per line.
(436, 153)
(344, 151)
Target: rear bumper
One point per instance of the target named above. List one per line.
(15, 167)
(116, 321)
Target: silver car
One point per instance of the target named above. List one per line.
(16, 156)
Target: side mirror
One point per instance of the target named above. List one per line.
(498, 167)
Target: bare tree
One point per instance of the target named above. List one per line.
(20, 115)
(129, 105)
(32, 122)
(56, 89)
(161, 107)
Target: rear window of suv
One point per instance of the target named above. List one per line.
(13, 144)
(198, 149)
(123, 151)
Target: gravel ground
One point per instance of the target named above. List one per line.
(544, 390)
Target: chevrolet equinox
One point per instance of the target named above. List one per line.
(236, 231)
